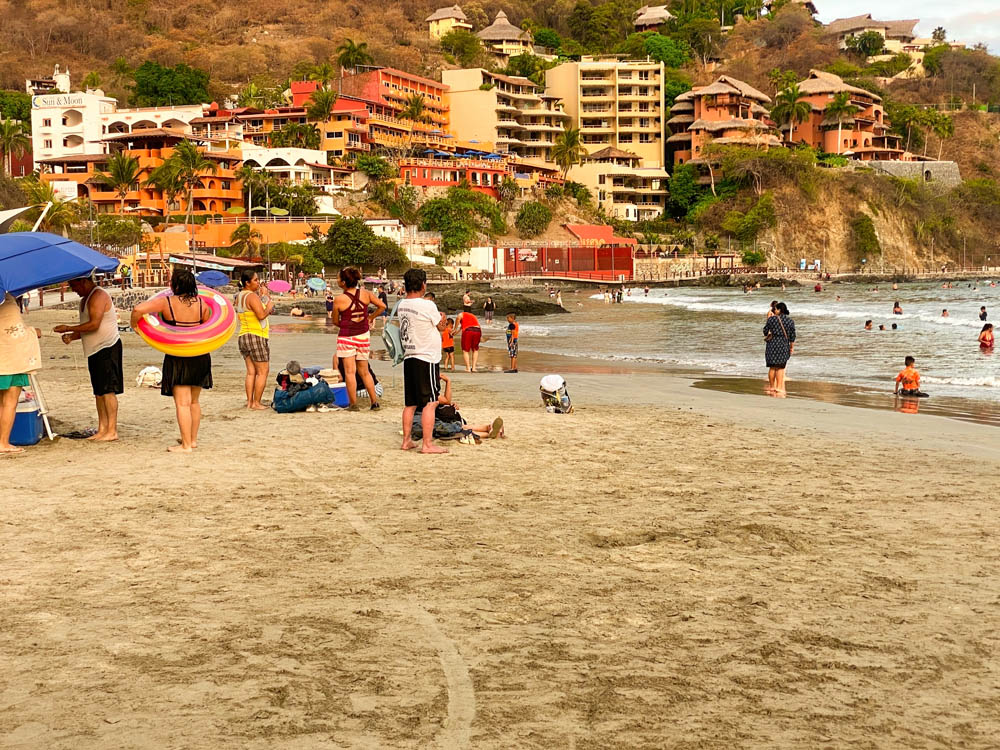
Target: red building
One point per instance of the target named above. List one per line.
(393, 88)
(483, 175)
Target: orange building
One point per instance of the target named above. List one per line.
(385, 93)
(727, 111)
(73, 176)
(865, 135)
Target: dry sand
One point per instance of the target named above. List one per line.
(695, 570)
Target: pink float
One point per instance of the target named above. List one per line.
(191, 341)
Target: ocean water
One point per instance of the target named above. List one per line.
(718, 332)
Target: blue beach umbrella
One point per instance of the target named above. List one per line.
(29, 260)
(316, 284)
(212, 278)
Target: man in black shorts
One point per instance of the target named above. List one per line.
(420, 324)
(102, 345)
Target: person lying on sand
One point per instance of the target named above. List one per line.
(448, 422)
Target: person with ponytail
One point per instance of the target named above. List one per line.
(253, 311)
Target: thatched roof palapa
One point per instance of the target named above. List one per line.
(502, 30)
(442, 13)
(727, 85)
(821, 82)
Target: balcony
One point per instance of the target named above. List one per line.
(595, 109)
(595, 94)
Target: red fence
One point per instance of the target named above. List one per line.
(604, 263)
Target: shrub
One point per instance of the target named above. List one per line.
(533, 219)
(375, 167)
(864, 240)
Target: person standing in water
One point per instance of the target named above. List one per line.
(779, 335)
(489, 307)
(986, 337)
(897, 308)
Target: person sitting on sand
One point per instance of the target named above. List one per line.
(986, 337)
(448, 421)
(908, 381)
(896, 308)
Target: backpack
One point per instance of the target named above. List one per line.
(391, 338)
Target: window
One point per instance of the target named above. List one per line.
(600, 179)
(645, 137)
(225, 185)
(625, 138)
(48, 143)
(47, 122)
(335, 134)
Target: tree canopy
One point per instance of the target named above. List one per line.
(158, 86)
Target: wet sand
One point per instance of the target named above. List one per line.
(667, 567)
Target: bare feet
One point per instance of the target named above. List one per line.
(409, 445)
(193, 445)
(10, 449)
(433, 449)
(108, 438)
(179, 449)
(257, 407)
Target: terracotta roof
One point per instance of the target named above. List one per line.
(205, 120)
(502, 30)
(75, 159)
(441, 13)
(598, 234)
(713, 126)
(318, 166)
(821, 82)
(137, 135)
(727, 85)
(611, 153)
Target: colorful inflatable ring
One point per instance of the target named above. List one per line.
(191, 341)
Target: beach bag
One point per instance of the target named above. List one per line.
(555, 396)
(391, 338)
(149, 377)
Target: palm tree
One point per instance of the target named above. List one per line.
(61, 214)
(166, 178)
(250, 96)
(244, 240)
(841, 108)
(191, 164)
(122, 175)
(943, 128)
(415, 111)
(323, 74)
(14, 142)
(351, 55)
(321, 105)
(790, 108)
(568, 149)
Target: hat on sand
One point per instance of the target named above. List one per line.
(293, 367)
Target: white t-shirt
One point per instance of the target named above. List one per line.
(418, 321)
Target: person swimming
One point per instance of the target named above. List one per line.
(897, 309)
(944, 313)
(868, 325)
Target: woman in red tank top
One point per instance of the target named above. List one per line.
(350, 313)
(472, 334)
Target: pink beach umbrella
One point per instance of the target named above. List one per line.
(279, 286)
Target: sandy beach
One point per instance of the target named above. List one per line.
(668, 567)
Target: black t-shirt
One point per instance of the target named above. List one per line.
(490, 306)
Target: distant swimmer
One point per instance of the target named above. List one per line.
(881, 327)
(982, 313)
(986, 337)
(944, 313)
(818, 288)
(838, 298)
(894, 326)
(908, 381)
(896, 308)
(895, 286)
(868, 325)
(645, 291)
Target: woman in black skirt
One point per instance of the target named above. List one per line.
(779, 335)
(183, 377)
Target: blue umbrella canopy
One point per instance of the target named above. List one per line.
(29, 260)
(316, 283)
(212, 278)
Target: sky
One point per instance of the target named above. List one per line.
(972, 20)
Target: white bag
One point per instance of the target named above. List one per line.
(151, 377)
